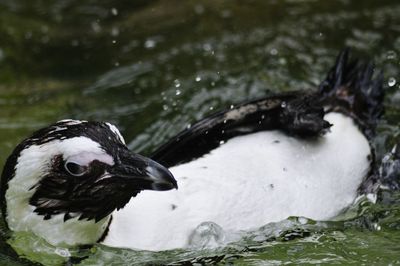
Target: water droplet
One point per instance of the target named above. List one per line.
(178, 92)
(273, 51)
(165, 107)
(207, 235)
(225, 121)
(96, 26)
(198, 79)
(177, 83)
(302, 220)
(377, 227)
(74, 43)
(150, 44)
(231, 107)
(114, 11)
(114, 31)
(319, 35)
(221, 142)
(391, 81)
(207, 47)
(114, 41)
(62, 252)
(189, 126)
(211, 108)
(391, 55)
(199, 9)
(283, 104)
(212, 83)
(282, 61)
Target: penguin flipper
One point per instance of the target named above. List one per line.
(296, 113)
(304, 116)
(210, 132)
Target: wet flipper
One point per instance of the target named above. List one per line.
(304, 117)
(210, 132)
(296, 113)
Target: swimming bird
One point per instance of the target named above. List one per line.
(302, 153)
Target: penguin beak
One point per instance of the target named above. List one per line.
(160, 177)
(142, 173)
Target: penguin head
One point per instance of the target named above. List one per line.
(67, 179)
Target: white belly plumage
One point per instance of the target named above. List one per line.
(248, 182)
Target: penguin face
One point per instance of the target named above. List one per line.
(74, 170)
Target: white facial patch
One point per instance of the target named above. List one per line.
(35, 162)
(85, 158)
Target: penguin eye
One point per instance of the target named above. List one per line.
(75, 169)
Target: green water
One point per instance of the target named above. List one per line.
(155, 67)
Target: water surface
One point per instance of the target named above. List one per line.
(155, 67)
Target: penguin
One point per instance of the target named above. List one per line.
(301, 153)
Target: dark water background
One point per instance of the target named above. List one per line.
(155, 67)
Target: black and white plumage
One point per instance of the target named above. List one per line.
(64, 181)
(303, 154)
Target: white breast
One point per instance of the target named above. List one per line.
(248, 182)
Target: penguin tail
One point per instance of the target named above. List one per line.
(355, 87)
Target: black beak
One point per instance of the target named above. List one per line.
(142, 173)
